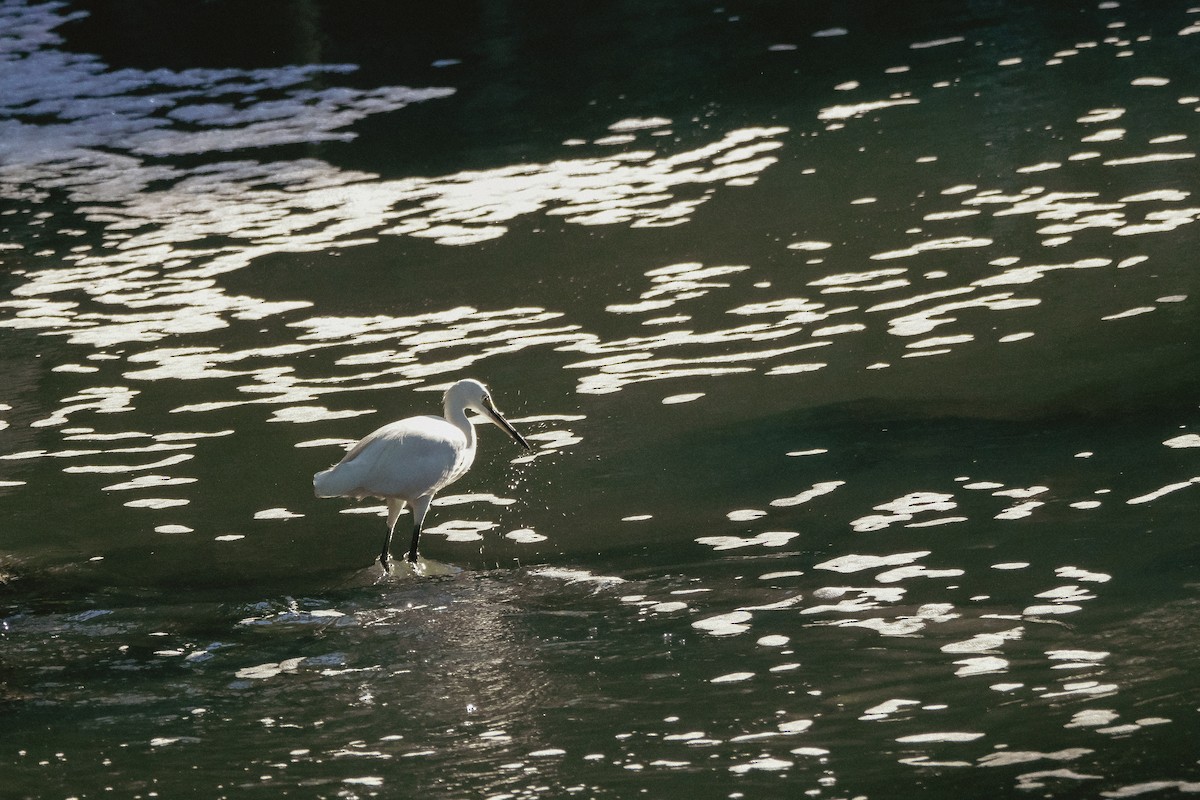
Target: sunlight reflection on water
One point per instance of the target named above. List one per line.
(153, 281)
(832, 600)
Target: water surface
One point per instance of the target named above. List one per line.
(856, 344)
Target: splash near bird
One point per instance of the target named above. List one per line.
(408, 461)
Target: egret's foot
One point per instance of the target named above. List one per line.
(385, 560)
(412, 556)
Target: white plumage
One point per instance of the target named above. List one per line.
(409, 461)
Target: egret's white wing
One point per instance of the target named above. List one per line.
(405, 459)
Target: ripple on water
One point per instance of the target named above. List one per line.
(765, 539)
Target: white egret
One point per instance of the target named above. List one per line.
(409, 461)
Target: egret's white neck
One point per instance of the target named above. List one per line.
(457, 416)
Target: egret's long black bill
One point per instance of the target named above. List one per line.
(504, 425)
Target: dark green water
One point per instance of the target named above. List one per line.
(857, 343)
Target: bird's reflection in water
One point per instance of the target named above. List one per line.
(458, 657)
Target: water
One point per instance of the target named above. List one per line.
(856, 343)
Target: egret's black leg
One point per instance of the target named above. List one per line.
(419, 509)
(412, 549)
(385, 558)
(394, 507)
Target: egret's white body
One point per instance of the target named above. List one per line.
(409, 461)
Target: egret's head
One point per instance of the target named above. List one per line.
(470, 393)
(467, 393)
